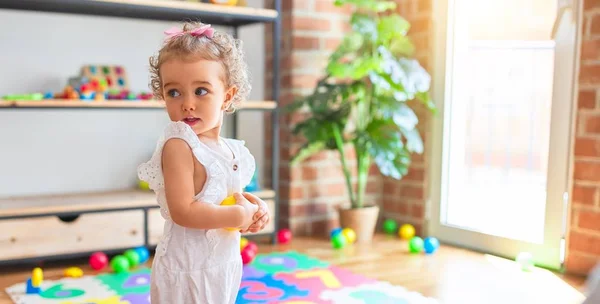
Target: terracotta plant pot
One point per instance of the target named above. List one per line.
(361, 220)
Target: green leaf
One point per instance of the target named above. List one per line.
(404, 117)
(365, 25)
(402, 46)
(377, 6)
(425, 98)
(306, 151)
(413, 140)
(392, 27)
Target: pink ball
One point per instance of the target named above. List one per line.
(247, 255)
(251, 246)
(284, 236)
(98, 260)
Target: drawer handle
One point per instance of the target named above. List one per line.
(133, 232)
(13, 239)
(68, 218)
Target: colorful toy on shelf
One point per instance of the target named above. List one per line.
(37, 277)
(113, 76)
(284, 236)
(73, 272)
(17, 97)
(30, 289)
(225, 2)
(98, 260)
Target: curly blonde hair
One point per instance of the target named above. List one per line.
(221, 47)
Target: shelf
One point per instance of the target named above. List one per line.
(167, 10)
(67, 103)
(85, 202)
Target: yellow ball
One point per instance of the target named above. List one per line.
(406, 232)
(243, 243)
(73, 272)
(37, 276)
(349, 234)
(229, 201)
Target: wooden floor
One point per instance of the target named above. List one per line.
(451, 275)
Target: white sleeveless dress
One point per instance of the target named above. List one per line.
(195, 265)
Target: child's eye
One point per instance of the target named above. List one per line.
(201, 91)
(173, 93)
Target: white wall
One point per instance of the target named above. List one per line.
(50, 151)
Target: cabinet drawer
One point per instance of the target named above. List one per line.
(156, 223)
(33, 237)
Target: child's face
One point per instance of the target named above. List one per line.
(195, 93)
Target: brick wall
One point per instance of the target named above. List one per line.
(310, 192)
(584, 234)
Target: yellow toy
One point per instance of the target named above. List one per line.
(406, 232)
(224, 2)
(229, 201)
(73, 272)
(37, 276)
(349, 234)
(243, 243)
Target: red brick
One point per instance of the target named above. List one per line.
(424, 6)
(592, 124)
(336, 189)
(415, 192)
(415, 174)
(331, 44)
(590, 49)
(589, 5)
(311, 24)
(577, 263)
(586, 99)
(589, 219)
(305, 43)
(319, 156)
(587, 171)
(296, 192)
(417, 211)
(403, 208)
(588, 147)
(327, 6)
(584, 242)
(299, 227)
(304, 81)
(309, 173)
(373, 187)
(589, 74)
(419, 24)
(585, 195)
(595, 24)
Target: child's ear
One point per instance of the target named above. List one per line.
(229, 97)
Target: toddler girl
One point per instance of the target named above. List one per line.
(200, 74)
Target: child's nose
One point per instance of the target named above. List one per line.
(189, 105)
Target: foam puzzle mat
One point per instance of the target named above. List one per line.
(283, 278)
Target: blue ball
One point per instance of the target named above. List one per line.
(143, 253)
(335, 231)
(431, 244)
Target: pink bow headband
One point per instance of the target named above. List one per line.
(205, 30)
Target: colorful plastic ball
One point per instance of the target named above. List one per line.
(335, 232)
(338, 241)
(349, 234)
(284, 236)
(142, 253)
(73, 272)
(252, 247)
(430, 245)
(415, 245)
(132, 256)
(406, 232)
(247, 256)
(98, 260)
(390, 226)
(243, 243)
(119, 264)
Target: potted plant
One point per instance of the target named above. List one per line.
(365, 100)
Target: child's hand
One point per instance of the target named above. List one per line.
(261, 217)
(249, 210)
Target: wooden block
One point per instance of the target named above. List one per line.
(115, 76)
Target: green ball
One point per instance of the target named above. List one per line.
(416, 244)
(390, 226)
(119, 264)
(338, 241)
(133, 257)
